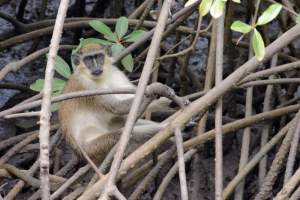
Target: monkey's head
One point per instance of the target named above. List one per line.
(92, 60)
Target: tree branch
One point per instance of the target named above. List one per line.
(46, 101)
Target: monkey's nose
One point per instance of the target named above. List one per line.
(97, 72)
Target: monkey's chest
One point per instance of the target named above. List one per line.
(104, 121)
(89, 125)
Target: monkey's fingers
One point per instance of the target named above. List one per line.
(155, 90)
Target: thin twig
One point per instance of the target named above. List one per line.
(182, 174)
(296, 194)
(72, 162)
(219, 109)
(239, 192)
(292, 154)
(272, 70)
(150, 176)
(270, 82)
(289, 187)
(191, 47)
(21, 174)
(18, 187)
(70, 181)
(12, 140)
(267, 105)
(17, 147)
(73, 195)
(26, 114)
(66, 96)
(89, 160)
(46, 101)
(145, 13)
(139, 10)
(209, 79)
(169, 176)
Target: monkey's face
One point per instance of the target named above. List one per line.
(94, 63)
(91, 63)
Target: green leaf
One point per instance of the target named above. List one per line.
(113, 37)
(85, 41)
(57, 85)
(298, 19)
(116, 49)
(54, 107)
(121, 27)
(38, 85)
(127, 62)
(217, 8)
(95, 40)
(258, 45)
(269, 14)
(134, 36)
(205, 6)
(101, 27)
(241, 27)
(189, 2)
(62, 67)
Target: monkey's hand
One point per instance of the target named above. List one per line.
(153, 91)
(156, 90)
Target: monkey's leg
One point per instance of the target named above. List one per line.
(98, 147)
(145, 129)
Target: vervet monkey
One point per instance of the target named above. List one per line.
(87, 121)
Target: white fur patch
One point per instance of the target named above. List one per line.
(99, 122)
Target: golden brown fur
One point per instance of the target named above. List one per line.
(86, 121)
(96, 150)
(92, 136)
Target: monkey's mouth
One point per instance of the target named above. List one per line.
(97, 72)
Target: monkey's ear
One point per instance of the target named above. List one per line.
(108, 50)
(75, 59)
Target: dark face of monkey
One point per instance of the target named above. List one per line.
(94, 63)
(92, 59)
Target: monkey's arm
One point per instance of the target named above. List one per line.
(122, 107)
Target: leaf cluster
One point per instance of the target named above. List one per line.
(257, 41)
(118, 39)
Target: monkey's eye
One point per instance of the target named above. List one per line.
(76, 59)
(88, 61)
(100, 58)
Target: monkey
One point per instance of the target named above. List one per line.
(92, 123)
